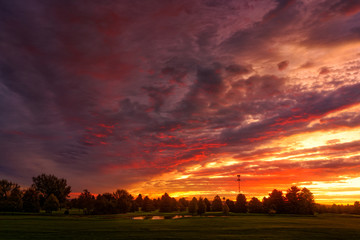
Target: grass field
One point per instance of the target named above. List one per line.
(232, 227)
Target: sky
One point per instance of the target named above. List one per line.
(182, 96)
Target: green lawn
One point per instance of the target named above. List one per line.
(232, 227)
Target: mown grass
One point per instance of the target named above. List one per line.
(243, 226)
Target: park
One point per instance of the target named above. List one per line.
(45, 212)
(214, 226)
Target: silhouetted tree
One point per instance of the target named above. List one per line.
(183, 204)
(266, 204)
(51, 203)
(293, 200)
(231, 205)
(31, 201)
(73, 203)
(255, 206)
(86, 201)
(356, 209)
(105, 204)
(347, 208)
(208, 204)
(307, 203)
(174, 205)
(156, 203)
(148, 205)
(201, 206)
(49, 184)
(165, 203)
(139, 202)
(193, 206)
(216, 205)
(123, 201)
(333, 209)
(275, 202)
(10, 196)
(240, 204)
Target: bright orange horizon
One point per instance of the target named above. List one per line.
(182, 96)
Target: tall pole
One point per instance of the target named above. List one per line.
(238, 180)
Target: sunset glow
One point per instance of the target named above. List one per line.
(182, 96)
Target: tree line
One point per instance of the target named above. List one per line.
(50, 193)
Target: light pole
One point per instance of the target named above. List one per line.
(238, 180)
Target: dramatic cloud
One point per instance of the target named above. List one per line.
(283, 65)
(181, 96)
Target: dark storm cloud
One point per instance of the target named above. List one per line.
(275, 23)
(282, 5)
(344, 7)
(157, 96)
(338, 19)
(239, 69)
(205, 90)
(209, 80)
(283, 65)
(305, 108)
(260, 86)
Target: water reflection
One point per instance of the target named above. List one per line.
(157, 218)
(165, 217)
(168, 217)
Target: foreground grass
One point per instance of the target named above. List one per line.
(232, 227)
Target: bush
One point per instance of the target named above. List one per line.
(51, 204)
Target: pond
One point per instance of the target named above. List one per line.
(163, 217)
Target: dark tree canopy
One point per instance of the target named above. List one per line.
(255, 206)
(208, 204)
(293, 200)
(46, 188)
(240, 204)
(174, 205)
(307, 202)
(147, 205)
(165, 203)
(139, 201)
(299, 201)
(123, 201)
(10, 196)
(201, 206)
(275, 202)
(86, 201)
(104, 204)
(31, 201)
(356, 208)
(50, 184)
(193, 206)
(216, 205)
(6, 188)
(183, 204)
(51, 204)
(231, 205)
